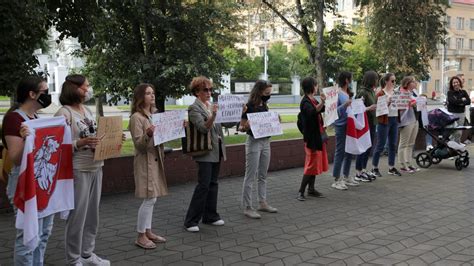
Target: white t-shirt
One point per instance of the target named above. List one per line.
(471, 95)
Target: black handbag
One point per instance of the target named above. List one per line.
(196, 143)
(324, 136)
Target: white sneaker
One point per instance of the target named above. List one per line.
(251, 213)
(429, 147)
(95, 260)
(192, 229)
(349, 181)
(218, 222)
(339, 185)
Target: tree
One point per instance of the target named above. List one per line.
(164, 43)
(23, 29)
(406, 32)
(278, 62)
(309, 22)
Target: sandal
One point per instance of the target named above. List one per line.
(158, 239)
(149, 245)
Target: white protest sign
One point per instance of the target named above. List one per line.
(168, 126)
(230, 108)
(400, 101)
(358, 106)
(330, 106)
(382, 106)
(265, 124)
(421, 106)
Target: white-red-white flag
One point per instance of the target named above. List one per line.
(357, 133)
(45, 184)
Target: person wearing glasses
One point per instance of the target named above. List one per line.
(408, 127)
(202, 114)
(83, 222)
(31, 96)
(257, 153)
(387, 129)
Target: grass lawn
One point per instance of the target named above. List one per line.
(3, 109)
(292, 133)
(283, 105)
(4, 98)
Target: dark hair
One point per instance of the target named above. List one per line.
(370, 79)
(343, 76)
(31, 83)
(139, 96)
(256, 92)
(308, 85)
(199, 83)
(77, 79)
(70, 93)
(451, 87)
(385, 79)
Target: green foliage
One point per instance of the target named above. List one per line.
(165, 43)
(335, 52)
(23, 28)
(278, 62)
(407, 32)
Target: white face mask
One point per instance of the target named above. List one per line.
(89, 95)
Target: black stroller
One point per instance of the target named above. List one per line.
(440, 128)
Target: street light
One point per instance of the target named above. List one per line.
(442, 65)
(265, 60)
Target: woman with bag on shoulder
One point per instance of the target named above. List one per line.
(83, 222)
(257, 152)
(148, 163)
(31, 96)
(316, 158)
(202, 114)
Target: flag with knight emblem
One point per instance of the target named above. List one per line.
(357, 133)
(45, 184)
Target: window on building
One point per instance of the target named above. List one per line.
(261, 51)
(471, 64)
(437, 85)
(471, 44)
(459, 43)
(448, 22)
(263, 35)
(471, 24)
(438, 64)
(469, 84)
(448, 43)
(340, 5)
(460, 64)
(274, 34)
(355, 22)
(460, 23)
(252, 52)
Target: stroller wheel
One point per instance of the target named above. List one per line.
(423, 160)
(459, 164)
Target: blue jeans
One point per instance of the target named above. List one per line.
(23, 255)
(362, 159)
(384, 132)
(342, 159)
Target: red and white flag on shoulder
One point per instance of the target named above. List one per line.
(45, 185)
(357, 133)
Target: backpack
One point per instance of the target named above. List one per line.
(300, 123)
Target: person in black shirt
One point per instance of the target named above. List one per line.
(457, 101)
(257, 152)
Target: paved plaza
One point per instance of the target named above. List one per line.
(419, 219)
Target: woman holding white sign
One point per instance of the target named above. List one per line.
(202, 115)
(408, 127)
(316, 158)
(148, 164)
(257, 152)
(83, 222)
(387, 129)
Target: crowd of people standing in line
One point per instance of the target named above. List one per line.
(150, 181)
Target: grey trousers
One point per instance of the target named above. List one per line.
(82, 223)
(257, 153)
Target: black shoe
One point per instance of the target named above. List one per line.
(315, 193)
(362, 177)
(300, 197)
(376, 172)
(394, 171)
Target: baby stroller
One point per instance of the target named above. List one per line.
(441, 126)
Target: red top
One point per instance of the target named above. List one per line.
(12, 124)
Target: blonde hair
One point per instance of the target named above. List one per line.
(406, 81)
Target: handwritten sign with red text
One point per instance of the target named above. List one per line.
(265, 124)
(400, 101)
(230, 108)
(330, 105)
(168, 126)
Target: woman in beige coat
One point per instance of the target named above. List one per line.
(150, 181)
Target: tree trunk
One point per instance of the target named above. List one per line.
(319, 45)
(160, 104)
(99, 107)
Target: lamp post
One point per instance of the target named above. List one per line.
(443, 66)
(265, 60)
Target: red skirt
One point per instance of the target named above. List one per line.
(316, 162)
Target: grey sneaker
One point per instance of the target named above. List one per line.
(264, 207)
(251, 213)
(349, 181)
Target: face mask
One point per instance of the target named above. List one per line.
(89, 95)
(265, 98)
(44, 100)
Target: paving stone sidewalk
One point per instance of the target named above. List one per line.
(418, 219)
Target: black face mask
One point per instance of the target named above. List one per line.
(265, 98)
(44, 100)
